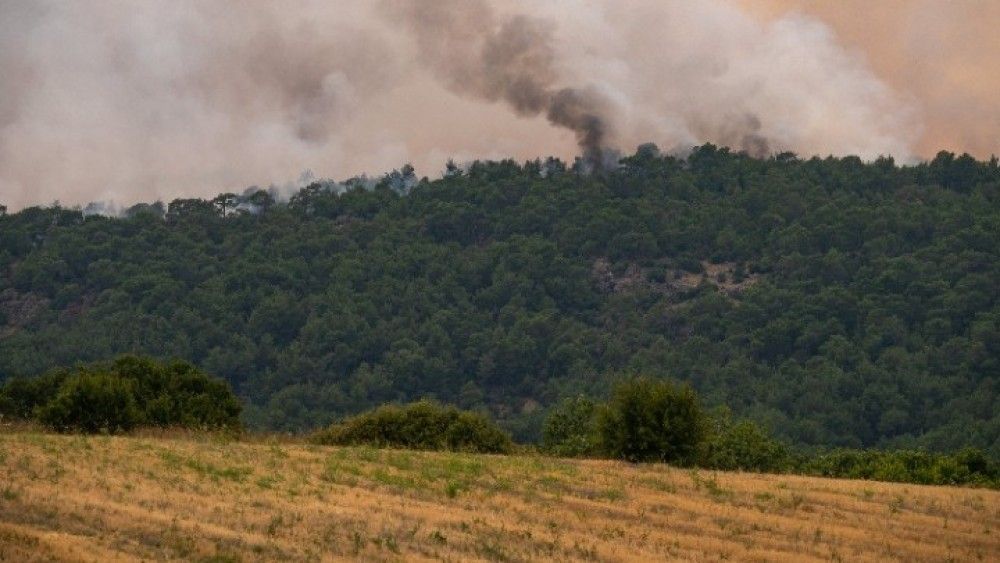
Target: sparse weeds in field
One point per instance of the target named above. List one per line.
(276, 522)
(396, 481)
(367, 453)
(452, 488)
(587, 553)
(401, 460)
(792, 502)
(492, 550)
(975, 503)
(341, 470)
(55, 470)
(235, 473)
(895, 504)
(221, 558)
(387, 541)
(867, 494)
(11, 537)
(171, 459)
(9, 493)
(357, 542)
(500, 484)
(658, 484)
(267, 481)
(552, 484)
(612, 534)
(612, 494)
(711, 485)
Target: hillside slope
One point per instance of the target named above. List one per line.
(839, 303)
(79, 498)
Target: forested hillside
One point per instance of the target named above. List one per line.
(837, 302)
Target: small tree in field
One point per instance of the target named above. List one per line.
(569, 428)
(651, 420)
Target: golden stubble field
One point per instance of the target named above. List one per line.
(204, 498)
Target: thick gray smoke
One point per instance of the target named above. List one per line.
(511, 60)
(128, 101)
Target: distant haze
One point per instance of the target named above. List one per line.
(130, 100)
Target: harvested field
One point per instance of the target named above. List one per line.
(205, 498)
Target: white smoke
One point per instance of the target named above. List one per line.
(124, 101)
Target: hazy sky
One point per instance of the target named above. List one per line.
(130, 100)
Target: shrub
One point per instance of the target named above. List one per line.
(178, 394)
(650, 420)
(130, 391)
(92, 402)
(743, 446)
(423, 425)
(967, 466)
(19, 396)
(569, 429)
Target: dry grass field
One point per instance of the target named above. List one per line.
(204, 498)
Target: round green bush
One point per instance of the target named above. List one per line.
(423, 425)
(651, 420)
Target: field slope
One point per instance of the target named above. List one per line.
(205, 498)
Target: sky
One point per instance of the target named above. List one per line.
(139, 100)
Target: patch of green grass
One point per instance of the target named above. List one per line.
(658, 484)
(267, 481)
(404, 482)
(399, 460)
(171, 459)
(612, 495)
(216, 473)
(340, 471)
(452, 488)
(711, 486)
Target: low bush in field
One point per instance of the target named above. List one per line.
(569, 430)
(743, 446)
(131, 391)
(423, 425)
(967, 466)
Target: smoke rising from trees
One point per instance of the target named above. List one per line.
(126, 101)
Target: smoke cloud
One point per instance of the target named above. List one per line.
(126, 101)
(512, 61)
(941, 56)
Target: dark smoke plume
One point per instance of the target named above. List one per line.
(508, 60)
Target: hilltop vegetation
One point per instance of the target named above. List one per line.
(834, 302)
(202, 498)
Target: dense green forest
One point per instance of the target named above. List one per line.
(833, 301)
